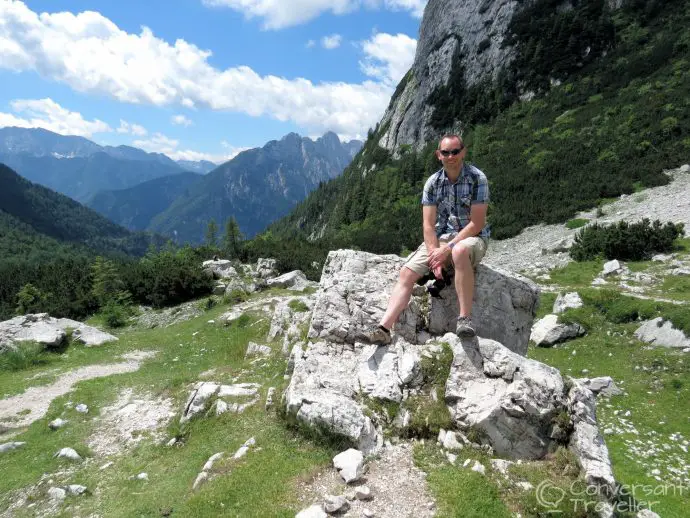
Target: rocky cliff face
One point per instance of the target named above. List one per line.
(474, 29)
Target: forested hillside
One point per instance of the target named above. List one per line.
(135, 207)
(49, 240)
(604, 109)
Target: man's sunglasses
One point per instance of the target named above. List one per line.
(454, 152)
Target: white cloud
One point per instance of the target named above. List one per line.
(133, 129)
(331, 42)
(181, 120)
(278, 14)
(47, 114)
(388, 57)
(159, 143)
(310, 44)
(91, 54)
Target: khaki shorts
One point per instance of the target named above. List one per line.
(417, 260)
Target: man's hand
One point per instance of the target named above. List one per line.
(437, 258)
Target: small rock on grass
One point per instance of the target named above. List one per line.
(9, 446)
(76, 489)
(82, 408)
(68, 453)
(56, 424)
(57, 493)
(478, 467)
(140, 476)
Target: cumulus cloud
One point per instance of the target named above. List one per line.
(331, 42)
(91, 54)
(310, 44)
(181, 120)
(388, 57)
(160, 143)
(278, 14)
(47, 114)
(131, 129)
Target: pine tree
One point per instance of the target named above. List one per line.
(107, 285)
(232, 239)
(212, 234)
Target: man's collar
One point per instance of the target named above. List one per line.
(464, 171)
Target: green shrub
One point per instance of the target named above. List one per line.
(26, 354)
(625, 241)
(576, 223)
(114, 314)
(31, 300)
(208, 303)
(236, 296)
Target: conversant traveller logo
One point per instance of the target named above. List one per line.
(586, 498)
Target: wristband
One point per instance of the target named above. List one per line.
(451, 245)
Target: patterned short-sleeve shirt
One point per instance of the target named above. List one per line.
(453, 200)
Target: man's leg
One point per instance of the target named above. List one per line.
(400, 296)
(464, 278)
(466, 255)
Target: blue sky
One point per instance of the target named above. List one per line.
(202, 79)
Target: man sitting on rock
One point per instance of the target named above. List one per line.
(454, 206)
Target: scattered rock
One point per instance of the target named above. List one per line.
(242, 451)
(56, 424)
(295, 280)
(334, 504)
(548, 331)
(363, 493)
(570, 300)
(613, 267)
(9, 446)
(603, 385)
(219, 269)
(57, 494)
(501, 465)
(478, 467)
(350, 464)
(586, 440)
(450, 442)
(76, 489)
(661, 332)
(254, 349)
(82, 408)
(68, 453)
(269, 397)
(200, 479)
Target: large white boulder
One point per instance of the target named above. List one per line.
(661, 332)
(220, 268)
(295, 280)
(49, 331)
(355, 288)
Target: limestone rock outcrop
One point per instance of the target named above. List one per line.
(49, 331)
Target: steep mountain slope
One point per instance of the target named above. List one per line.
(256, 187)
(136, 206)
(590, 102)
(42, 212)
(201, 167)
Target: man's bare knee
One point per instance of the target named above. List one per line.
(408, 277)
(461, 256)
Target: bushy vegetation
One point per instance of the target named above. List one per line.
(625, 241)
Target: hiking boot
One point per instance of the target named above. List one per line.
(465, 328)
(376, 335)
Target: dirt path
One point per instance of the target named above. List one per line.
(13, 410)
(398, 488)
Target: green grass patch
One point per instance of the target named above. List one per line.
(243, 487)
(577, 274)
(25, 356)
(298, 306)
(576, 223)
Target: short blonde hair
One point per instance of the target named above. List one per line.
(450, 135)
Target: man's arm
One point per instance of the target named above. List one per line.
(429, 227)
(476, 224)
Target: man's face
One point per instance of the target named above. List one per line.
(451, 151)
